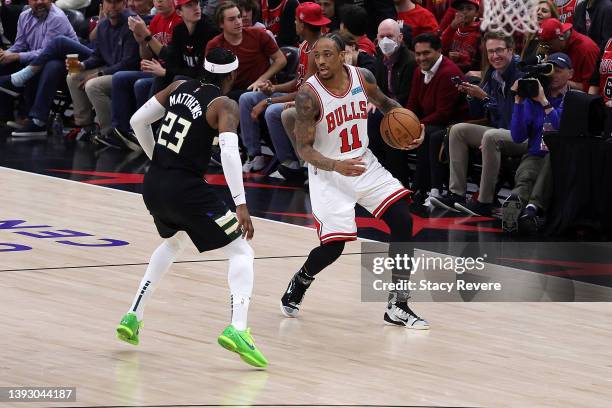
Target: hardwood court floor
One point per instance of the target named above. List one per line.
(60, 304)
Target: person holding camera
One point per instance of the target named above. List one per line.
(492, 100)
(531, 119)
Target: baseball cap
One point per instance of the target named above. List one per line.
(179, 3)
(552, 28)
(560, 60)
(455, 3)
(311, 13)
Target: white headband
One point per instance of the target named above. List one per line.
(220, 69)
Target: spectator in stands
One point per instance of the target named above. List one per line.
(354, 20)
(253, 47)
(594, 19)
(546, 9)
(560, 37)
(330, 10)
(309, 21)
(35, 29)
(461, 40)
(395, 67)
(531, 118)
(278, 16)
(355, 56)
(418, 18)
(601, 81)
(131, 89)
(437, 102)
(116, 50)
(566, 10)
(493, 100)
(184, 54)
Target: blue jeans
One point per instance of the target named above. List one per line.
(280, 140)
(249, 130)
(53, 74)
(124, 98)
(143, 90)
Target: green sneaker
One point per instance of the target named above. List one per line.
(128, 329)
(242, 343)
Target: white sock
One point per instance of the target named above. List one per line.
(160, 262)
(240, 279)
(22, 76)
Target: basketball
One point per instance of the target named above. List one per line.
(400, 127)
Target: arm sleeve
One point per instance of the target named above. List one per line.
(447, 39)
(150, 112)
(232, 166)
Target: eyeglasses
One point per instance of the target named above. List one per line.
(497, 51)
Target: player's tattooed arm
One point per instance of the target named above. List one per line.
(375, 95)
(229, 115)
(307, 108)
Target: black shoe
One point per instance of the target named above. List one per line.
(475, 208)
(30, 129)
(128, 140)
(448, 201)
(511, 210)
(109, 139)
(292, 299)
(7, 86)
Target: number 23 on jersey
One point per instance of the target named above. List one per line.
(178, 132)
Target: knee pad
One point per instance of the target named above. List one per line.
(178, 241)
(239, 247)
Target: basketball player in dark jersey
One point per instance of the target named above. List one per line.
(183, 205)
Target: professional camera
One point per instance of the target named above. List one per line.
(534, 71)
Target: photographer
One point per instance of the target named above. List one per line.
(532, 117)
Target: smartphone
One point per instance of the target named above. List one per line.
(457, 80)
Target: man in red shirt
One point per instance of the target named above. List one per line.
(560, 37)
(461, 39)
(418, 18)
(437, 102)
(253, 47)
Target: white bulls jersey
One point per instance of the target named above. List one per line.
(342, 127)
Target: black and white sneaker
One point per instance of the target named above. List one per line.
(109, 139)
(447, 202)
(127, 139)
(400, 314)
(292, 299)
(511, 211)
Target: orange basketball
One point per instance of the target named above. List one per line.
(399, 127)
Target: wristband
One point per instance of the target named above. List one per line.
(148, 38)
(549, 106)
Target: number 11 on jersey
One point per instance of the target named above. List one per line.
(344, 136)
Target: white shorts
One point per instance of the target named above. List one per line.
(333, 198)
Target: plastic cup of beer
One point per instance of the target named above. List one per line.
(74, 66)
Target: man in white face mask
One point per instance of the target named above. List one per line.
(395, 65)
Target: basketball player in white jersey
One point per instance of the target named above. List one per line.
(331, 134)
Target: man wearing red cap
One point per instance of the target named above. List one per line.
(461, 39)
(309, 21)
(560, 37)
